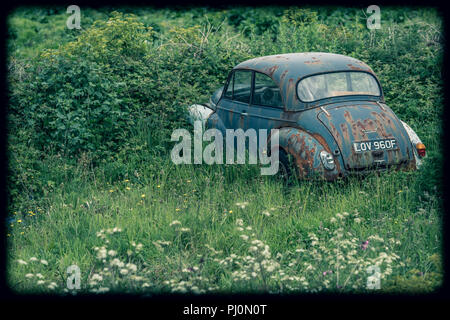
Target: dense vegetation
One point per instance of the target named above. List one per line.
(90, 117)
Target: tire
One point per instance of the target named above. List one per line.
(286, 169)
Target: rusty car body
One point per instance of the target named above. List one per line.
(329, 108)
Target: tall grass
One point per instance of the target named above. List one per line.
(208, 200)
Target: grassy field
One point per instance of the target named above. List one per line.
(132, 221)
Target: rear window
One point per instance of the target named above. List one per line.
(337, 84)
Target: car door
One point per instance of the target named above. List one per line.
(266, 110)
(233, 107)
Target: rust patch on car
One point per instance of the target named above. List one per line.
(355, 67)
(271, 70)
(283, 75)
(313, 62)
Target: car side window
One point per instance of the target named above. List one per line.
(266, 92)
(242, 85)
(229, 92)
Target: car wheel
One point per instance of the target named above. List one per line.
(286, 169)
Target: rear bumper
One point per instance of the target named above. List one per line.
(408, 165)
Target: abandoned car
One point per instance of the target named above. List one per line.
(329, 108)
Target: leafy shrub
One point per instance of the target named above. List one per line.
(88, 94)
(74, 100)
(255, 21)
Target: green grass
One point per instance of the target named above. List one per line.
(204, 199)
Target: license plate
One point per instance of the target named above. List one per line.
(374, 145)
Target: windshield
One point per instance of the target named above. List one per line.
(337, 84)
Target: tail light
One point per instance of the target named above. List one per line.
(420, 149)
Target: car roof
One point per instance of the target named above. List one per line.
(287, 69)
(303, 64)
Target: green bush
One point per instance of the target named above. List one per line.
(76, 98)
(88, 94)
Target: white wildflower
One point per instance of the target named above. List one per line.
(132, 267)
(174, 223)
(96, 277)
(244, 237)
(52, 285)
(101, 253)
(117, 262)
(242, 205)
